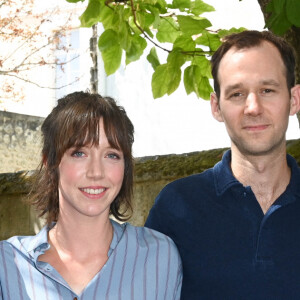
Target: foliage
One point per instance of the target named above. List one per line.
(177, 28)
(283, 15)
(28, 41)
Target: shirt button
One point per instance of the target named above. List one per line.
(75, 298)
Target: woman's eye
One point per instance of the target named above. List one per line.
(78, 154)
(113, 155)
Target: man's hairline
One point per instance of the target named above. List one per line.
(236, 49)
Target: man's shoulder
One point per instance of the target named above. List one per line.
(192, 182)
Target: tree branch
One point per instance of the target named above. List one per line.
(40, 86)
(141, 29)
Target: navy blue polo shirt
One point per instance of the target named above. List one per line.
(229, 248)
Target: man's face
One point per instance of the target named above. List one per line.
(254, 99)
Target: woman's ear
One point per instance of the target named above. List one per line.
(215, 107)
(45, 160)
(295, 100)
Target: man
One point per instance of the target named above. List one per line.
(237, 225)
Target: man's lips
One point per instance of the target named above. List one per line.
(256, 127)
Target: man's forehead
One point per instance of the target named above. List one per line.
(269, 48)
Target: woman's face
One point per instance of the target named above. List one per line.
(90, 178)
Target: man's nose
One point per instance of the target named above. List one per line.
(253, 105)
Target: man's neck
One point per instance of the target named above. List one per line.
(268, 175)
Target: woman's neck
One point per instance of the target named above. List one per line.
(81, 237)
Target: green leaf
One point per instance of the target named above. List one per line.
(293, 12)
(91, 15)
(165, 80)
(278, 23)
(108, 17)
(185, 42)
(195, 82)
(109, 38)
(192, 25)
(182, 5)
(276, 6)
(112, 59)
(167, 30)
(144, 19)
(161, 5)
(270, 7)
(210, 40)
(125, 37)
(155, 12)
(204, 64)
(198, 7)
(189, 80)
(152, 2)
(153, 58)
(133, 26)
(111, 51)
(175, 59)
(159, 84)
(224, 32)
(137, 46)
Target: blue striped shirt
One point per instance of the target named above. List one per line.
(142, 264)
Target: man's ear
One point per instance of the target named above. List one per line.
(295, 101)
(215, 108)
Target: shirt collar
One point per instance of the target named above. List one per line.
(292, 192)
(119, 230)
(38, 244)
(30, 245)
(223, 177)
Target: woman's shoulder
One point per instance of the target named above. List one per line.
(9, 249)
(24, 244)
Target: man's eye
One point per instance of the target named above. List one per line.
(236, 95)
(267, 91)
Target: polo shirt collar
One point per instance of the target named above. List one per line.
(292, 192)
(223, 177)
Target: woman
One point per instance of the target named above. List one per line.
(86, 175)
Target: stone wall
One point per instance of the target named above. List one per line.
(151, 175)
(19, 147)
(19, 142)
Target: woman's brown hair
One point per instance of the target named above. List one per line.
(74, 122)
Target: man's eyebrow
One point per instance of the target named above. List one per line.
(270, 82)
(233, 87)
